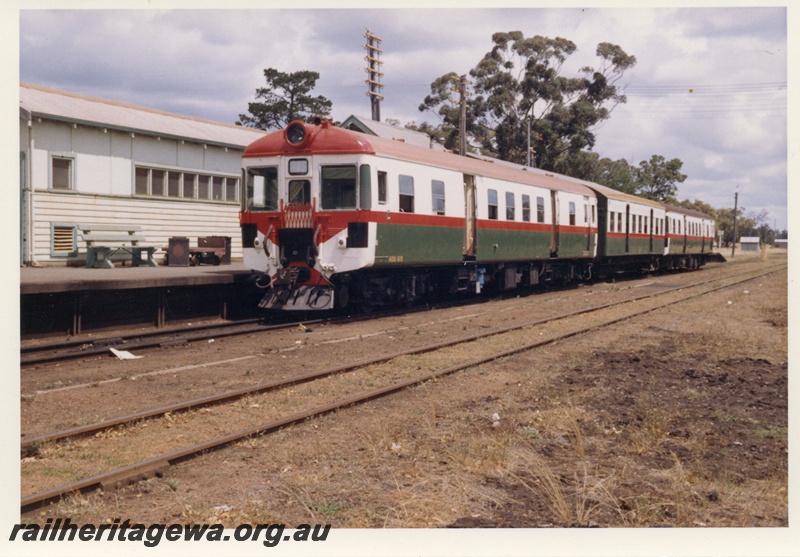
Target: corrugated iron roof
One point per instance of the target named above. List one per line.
(51, 103)
(388, 131)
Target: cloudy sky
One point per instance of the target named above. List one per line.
(709, 86)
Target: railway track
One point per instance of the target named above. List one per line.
(64, 351)
(602, 316)
(56, 352)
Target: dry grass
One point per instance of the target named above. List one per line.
(580, 441)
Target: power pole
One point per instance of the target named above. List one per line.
(462, 116)
(374, 63)
(735, 208)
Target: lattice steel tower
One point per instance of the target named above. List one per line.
(374, 64)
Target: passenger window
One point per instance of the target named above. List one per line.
(511, 209)
(540, 209)
(299, 191)
(611, 222)
(262, 188)
(406, 194)
(437, 195)
(364, 187)
(338, 187)
(382, 197)
(526, 208)
(572, 213)
(492, 204)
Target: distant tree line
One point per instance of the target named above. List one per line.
(518, 95)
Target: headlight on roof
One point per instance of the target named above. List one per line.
(296, 133)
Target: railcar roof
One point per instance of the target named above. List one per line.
(332, 140)
(688, 212)
(611, 193)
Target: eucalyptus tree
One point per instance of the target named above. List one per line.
(520, 82)
(658, 178)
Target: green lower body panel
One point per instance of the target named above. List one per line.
(418, 244)
(635, 246)
(575, 245)
(512, 245)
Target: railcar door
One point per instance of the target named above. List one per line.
(470, 221)
(627, 228)
(684, 233)
(554, 239)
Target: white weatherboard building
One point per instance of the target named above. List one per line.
(93, 161)
(750, 243)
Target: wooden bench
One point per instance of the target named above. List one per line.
(104, 240)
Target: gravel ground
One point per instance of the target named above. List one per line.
(675, 419)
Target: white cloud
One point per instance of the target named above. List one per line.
(208, 63)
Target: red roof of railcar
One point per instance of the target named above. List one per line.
(327, 139)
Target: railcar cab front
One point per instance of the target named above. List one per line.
(304, 187)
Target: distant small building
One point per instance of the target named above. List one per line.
(782, 244)
(750, 243)
(372, 127)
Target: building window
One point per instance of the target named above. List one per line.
(188, 185)
(492, 204)
(217, 188)
(540, 209)
(203, 187)
(382, 197)
(142, 181)
(157, 182)
(526, 208)
(231, 188)
(437, 194)
(61, 173)
(511, 206)
(173, 184)
(406, 184)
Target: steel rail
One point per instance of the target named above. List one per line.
(56, 352)
(157, 466)
(235, 394)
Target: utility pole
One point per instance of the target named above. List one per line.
(374, 63)
(735, 208)
(462, 116)
(529, 138)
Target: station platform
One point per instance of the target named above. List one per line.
(48, 280)
(78, 300)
